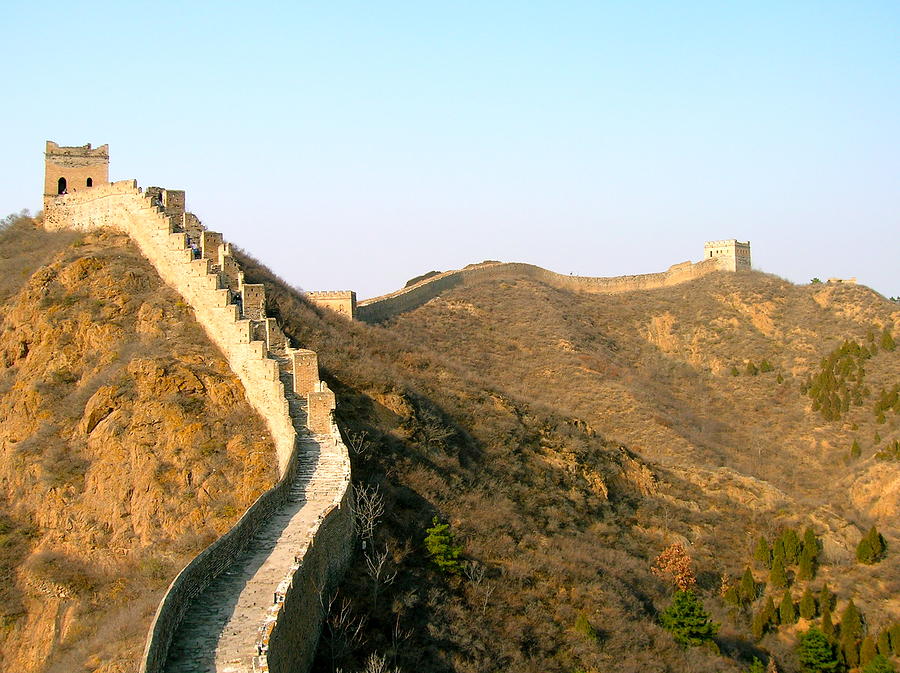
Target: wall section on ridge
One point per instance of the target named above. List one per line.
(123, 207)
(387, 306)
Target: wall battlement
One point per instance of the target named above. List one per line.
(339, 301)
(406, 299)
(312, 457)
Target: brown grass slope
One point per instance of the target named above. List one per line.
(518, 418)
(126, 446)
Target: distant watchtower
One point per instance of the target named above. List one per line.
(732, 254)
(72, 169)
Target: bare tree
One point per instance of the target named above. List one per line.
(377, 663)
(368, 506)
(377, 569)
(359, 442)
(343, 629)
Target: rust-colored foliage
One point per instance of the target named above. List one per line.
(675, 564)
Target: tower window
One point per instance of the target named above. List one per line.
(61, 186)
(90, 182)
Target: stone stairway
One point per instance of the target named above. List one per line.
(219, 631)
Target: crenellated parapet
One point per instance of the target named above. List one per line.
(282, 383)
(406, 299)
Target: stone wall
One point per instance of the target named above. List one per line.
(211, 285)
(76, 165)
(387, 306)
(339, 301)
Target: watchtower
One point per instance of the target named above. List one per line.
(734, 255)
(72, 169)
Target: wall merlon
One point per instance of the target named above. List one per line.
(306, 370)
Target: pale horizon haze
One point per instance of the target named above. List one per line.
(352, 145)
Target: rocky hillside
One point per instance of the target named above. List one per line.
(568, 438)
(126, 446)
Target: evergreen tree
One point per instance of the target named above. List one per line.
(769, 611)
(867, 650)
(855, 451)
(811, 543)
(441, 548)
(807, 604)
(895, 638)
(747, 588)
(756, 667)
(871, 548)
(879, 664)
(887, 341)
(851, 634)
(777, 577)
(786, 612)
(778, 548)
(807, 568)
(687, 620)
(826, 598)
(827, 624)
(751, 369)
(791, 545)
(815, 652)
(760, 623)
(884, 643)
(762, 554)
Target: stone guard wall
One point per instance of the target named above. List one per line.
(122, 206)
(387, 306)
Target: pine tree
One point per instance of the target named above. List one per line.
(895, 638)
(762, 554)
(807, 604)
(855, 451)
(879, 664)
(756, 666)
(786, 612)
(687, 620)
(887, 341)
(827, 624)
(760, 623)
(791, 547)
(747, 587)
(769, 611)
(815, 652)
(884, 643)
(871, 548)
(777, 577)
(851, 634)
(867, 650)
(778, 548)
(807, 568)
(441, 548)
(811, 543)
(826, 598)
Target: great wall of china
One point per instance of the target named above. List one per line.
(251, 602)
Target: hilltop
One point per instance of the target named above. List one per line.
(127, 446)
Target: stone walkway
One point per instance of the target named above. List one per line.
(219, 631)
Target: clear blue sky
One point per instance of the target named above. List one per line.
(353, 145)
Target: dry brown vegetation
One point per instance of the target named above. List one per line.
(126, 446)
(568, 439)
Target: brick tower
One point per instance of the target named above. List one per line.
(72, 169)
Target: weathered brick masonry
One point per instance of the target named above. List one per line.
(282, 384)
